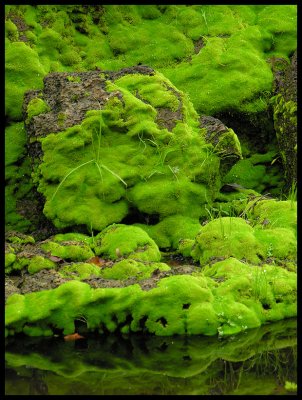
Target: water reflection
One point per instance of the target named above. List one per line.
(258, 361)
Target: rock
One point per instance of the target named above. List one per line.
(106, 145)
(285, 121)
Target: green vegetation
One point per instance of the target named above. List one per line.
(126, 241)
(138, 173)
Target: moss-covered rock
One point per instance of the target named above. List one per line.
(130, 268)
(79, 271)
(235, 237)
(225, 298)
(135, 148)
(131, 242)
(37, 263)
(68, 250)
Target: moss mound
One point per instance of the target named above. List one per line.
(235, 237)
(126, 241)
(141, 152)
(171, 230)
(225, 298)
(129, 268)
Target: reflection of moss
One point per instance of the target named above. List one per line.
(191, 365)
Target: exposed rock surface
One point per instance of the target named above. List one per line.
(285, 121)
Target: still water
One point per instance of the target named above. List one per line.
(259, 362)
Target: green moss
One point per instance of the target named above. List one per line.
(171, 230)
(23, 71)
(15, 139)
(122, 147)
(75, 79)
(129, 268)
(79, 271)
(225, 298)
(72, 236)
(234, 237)
(9, 260)
(126, 241)
(276, 214)
(11, 31)
(227, 236)
(168, 306)
(69, 250)
(248, 296)
(37, 263)
(35, 107)
(20, 238)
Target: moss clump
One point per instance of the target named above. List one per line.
(37, 263)
(234, 237)
(171, 230)
(35, 107)
(18, 237)
(15, 139)
(123, 157)
(129, 268)
(79, 271)
(254, 173)
(10, 258)
(23, 71)
(168, 307)
(226, 236)
(225, 298)
(273, 213)
(68, 250)
(72, 236)
(131, 242)
(251, 295)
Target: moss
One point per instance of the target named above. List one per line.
(9, 260)
(15, 139)
(275, 213)
(23, 71)
(234, 237)
(248, 294)
(269, 30)
(226, 236)
(131, 242)
(11, 31)
(79, 271)
(168, 306)
(225, 298)
(171, 230)
(35, 107)
(129, 268)
(69, 250)
(185, 247)
(75, 79)
(122, 147)
(72, 236)
(18, 237)
(37, 263)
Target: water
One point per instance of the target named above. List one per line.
(257, 362)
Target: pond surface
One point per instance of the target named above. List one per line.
(259, 362)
